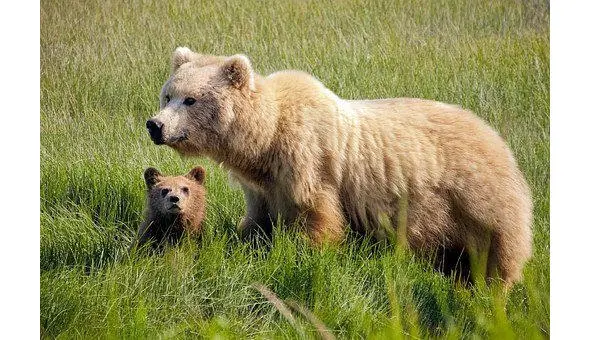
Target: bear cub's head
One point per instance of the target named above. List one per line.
(176, 206)
(176, 197)
(201, 100)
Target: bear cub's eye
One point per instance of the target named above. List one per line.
(164, 192)
(167, 98)
(189, 101)
(185, 190)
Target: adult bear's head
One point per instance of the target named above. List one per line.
(201, 100)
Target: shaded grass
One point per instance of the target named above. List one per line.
(102, 65)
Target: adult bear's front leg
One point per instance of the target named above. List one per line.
(258, 220)
(324, 220)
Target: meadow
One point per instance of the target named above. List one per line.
(102, 66)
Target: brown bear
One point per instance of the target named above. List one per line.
(176, 205)
(301, 152)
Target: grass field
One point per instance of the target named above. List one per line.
(102, 66)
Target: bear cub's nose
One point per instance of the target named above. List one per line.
(174, 199)
(155, 130)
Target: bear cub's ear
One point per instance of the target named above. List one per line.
(237, 70)
(152, 177)
(197, 174)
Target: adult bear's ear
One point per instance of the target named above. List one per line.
(182, 55)
(197, 174)
(152, 177)
(237, 71)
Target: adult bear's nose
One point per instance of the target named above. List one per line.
(155, 130)
(174, 198)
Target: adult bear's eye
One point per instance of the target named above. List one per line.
(189, 101)
(185, 190)
(164, 192)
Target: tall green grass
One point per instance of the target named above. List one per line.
(102, 66)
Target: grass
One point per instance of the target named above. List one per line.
(102, 66)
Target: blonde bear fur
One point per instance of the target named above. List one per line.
(300, 151)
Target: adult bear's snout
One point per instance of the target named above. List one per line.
(155, 130)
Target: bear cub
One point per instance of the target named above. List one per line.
(176, 205)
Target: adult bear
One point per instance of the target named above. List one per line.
(300, 151)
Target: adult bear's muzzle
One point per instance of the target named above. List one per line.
(155, 130)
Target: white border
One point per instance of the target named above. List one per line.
(570, 149)
(20, 173)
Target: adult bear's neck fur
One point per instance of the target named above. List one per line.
(252, 140)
